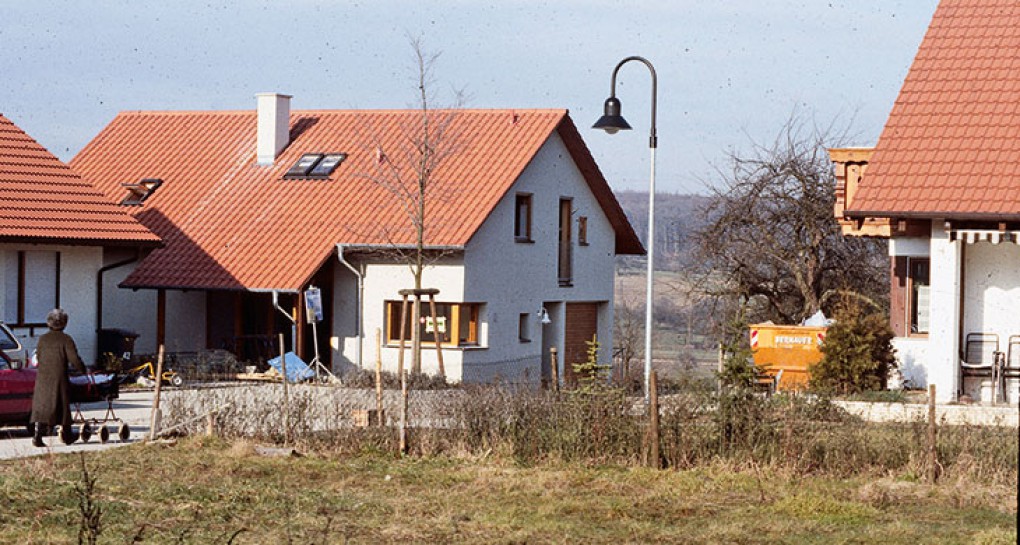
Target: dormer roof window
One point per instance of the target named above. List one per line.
(315, 166)
(137, 193)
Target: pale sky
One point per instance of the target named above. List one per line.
(729, 71)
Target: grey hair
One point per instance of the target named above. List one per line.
(57, 319)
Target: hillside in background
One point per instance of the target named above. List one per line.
(675, 216)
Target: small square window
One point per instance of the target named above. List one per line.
(303, 165)
(137, 193)
(524, 327)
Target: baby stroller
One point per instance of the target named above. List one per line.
(91, 388)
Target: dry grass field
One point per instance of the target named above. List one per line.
(214, 491)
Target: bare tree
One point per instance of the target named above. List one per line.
(770, 238)
(408, 173)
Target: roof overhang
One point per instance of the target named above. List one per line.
(950, 216)
(61, 241)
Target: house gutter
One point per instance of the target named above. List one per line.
(99, 285)
(359, 319)
(293, 322)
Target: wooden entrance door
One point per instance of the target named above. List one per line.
(582, 324)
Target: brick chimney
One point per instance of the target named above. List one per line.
(273, 125)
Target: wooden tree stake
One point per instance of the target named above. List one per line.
(156, 413)
(932, 437)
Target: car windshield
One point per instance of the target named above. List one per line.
(7, 340)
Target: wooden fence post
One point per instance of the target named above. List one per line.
(156, 411)
(435, 334)
(932, 437)
(286, 395)
(555, 365)
(403, 335)
(403, 412)
(380, 421)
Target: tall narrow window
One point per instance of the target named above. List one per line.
(522, 218)
(920, 295)
(566, 258)
(32, 286)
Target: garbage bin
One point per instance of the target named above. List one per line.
(120, 343)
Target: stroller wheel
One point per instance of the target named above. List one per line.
(86, 432)
(123, 431)
(177, 381)
(104, 434)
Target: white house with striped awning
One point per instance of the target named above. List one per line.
(941, 184)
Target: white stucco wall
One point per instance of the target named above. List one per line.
(382, 282)
(135, 310)
(130, 310)
(516, 278)
(991, 300)
(78, 267)
(944, 332)
(185, 321)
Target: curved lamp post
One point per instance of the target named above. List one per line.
(612, 122)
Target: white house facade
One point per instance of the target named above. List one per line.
(522, 232)
(55, 232)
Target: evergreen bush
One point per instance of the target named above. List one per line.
(857, 353)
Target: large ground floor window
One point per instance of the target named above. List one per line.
(456, 324)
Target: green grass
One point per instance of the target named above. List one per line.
(206, 491)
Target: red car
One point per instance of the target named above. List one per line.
(16, 386)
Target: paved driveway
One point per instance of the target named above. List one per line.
(133, 407)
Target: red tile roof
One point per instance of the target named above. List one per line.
(43, 201)
(953, 138)
(229, 223)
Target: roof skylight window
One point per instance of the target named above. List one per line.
(303, 165)
(137, 193)
(327, 165)
(316, 166)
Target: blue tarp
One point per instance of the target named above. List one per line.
(297, 370)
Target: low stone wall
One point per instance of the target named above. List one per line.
(257, 409)
(946, 414)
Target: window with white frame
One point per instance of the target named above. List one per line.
(919, 306)
(32, 286)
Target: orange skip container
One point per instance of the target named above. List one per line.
(790, 348)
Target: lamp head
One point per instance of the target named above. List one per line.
(544, 315)
(611, 120)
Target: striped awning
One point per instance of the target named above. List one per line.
(970, 236)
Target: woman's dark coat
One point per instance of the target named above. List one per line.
(50, 402)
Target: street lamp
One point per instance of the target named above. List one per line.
(612, 122)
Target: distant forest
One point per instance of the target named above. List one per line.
(675, 217)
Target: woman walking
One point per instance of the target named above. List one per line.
(51, 400)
